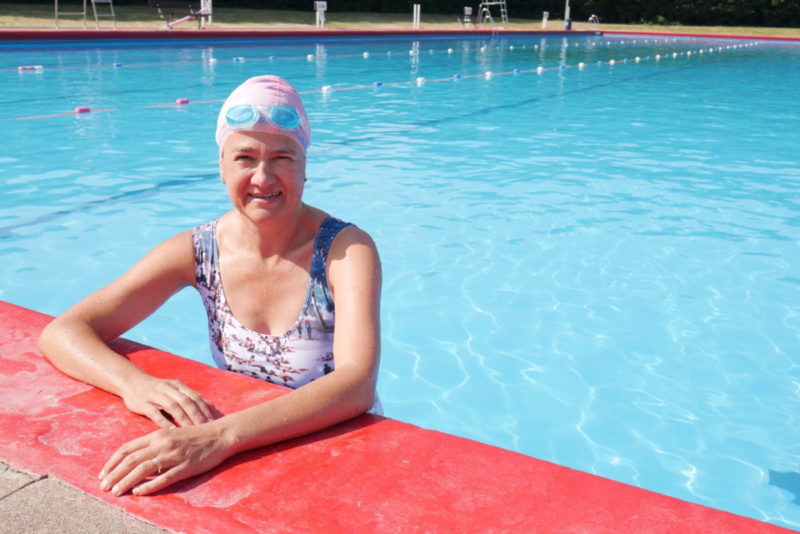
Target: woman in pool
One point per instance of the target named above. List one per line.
(281, 263)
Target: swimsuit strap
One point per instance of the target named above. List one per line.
(205, 253)
(328, 231)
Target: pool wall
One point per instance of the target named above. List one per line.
(370, 474)
(194, 35)
(707, 35)
(105, 35)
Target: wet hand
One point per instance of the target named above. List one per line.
(157, 398)
(161, 458)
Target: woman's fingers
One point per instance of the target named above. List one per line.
(157, 416)
(192, 405)
(121, 463)
(162, 481)
(138, 460)
(178, 411)
(131, 474)
(199, 402)
(161, 458)
(119, 455)
(160, 399)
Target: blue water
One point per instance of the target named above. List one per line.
(596, 266)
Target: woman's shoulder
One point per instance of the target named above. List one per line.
(354, 266)
(343, 233)
(350, 234)
(181, 242)
(353, 244)
(207, 227)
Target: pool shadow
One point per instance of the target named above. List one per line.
(788, 481)
(347, 427)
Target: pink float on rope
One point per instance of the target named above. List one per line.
(83, 109)
(182, 101)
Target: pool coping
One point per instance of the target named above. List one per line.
(370, 474)
(186, 34)
(61, 35)
(707, 35)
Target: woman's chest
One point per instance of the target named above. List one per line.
(266, 299)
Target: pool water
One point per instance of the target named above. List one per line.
(595, 264)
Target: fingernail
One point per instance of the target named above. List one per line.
(104, 485)
(116, 491)
(102, 474)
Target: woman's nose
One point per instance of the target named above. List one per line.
(263, 173)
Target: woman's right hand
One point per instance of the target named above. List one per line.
(160, 399)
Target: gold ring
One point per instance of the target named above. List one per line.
(159, 466)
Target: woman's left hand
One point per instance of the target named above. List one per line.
(161, 458)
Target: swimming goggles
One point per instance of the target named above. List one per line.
(245, 116)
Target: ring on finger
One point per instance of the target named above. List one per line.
(159, 465)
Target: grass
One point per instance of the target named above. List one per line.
(28, 16)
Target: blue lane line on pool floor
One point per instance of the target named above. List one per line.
(8, 231)
(491, 109)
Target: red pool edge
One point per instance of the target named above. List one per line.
(69, 35)
(370, 474)
(707, 35)
(186, 34)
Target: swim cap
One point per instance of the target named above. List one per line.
(264, 104)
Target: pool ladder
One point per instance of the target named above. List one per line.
(485, 13)
(594, 23)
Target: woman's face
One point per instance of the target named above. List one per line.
(264, 174)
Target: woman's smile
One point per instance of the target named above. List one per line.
(266, 197)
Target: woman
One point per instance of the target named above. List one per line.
(281, 263)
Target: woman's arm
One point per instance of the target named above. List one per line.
(171, 455)
(76, 341)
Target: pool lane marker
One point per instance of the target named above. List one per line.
(420, 81)
(326, 90)
(30, 68)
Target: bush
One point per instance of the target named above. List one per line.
(779, 13)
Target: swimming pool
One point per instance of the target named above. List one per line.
(595, 265)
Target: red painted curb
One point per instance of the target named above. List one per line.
(69, 35)
(707, 35)
(370, 474)
(95, 35)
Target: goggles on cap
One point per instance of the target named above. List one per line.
(245, 116)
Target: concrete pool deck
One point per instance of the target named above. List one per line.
(39, 504)
(370, 474)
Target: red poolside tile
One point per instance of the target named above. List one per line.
(371, 474)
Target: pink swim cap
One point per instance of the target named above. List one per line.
(264, 104)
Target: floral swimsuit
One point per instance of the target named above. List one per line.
(293, 358)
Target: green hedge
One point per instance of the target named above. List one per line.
(777, 13)
(780, 13)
